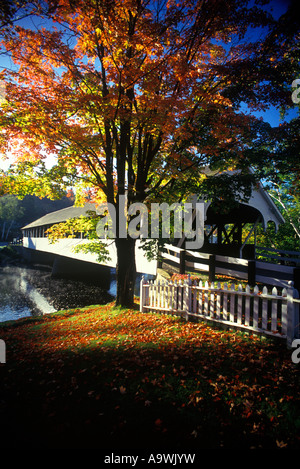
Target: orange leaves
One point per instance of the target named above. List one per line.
(151, 373)
(126, 330)
(129, 80)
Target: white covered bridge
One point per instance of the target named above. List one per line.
(222, 237)
(35, 240)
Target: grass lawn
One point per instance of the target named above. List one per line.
(109, 378)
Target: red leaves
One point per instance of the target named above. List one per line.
(161, 366)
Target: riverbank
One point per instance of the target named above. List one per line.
(66, 293)
(116, 379)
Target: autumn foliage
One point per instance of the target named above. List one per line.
(112, 378)
(137, 97)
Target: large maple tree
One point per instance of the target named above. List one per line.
(135, 97)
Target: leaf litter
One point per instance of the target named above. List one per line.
(148, 377)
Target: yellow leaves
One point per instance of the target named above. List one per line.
(139, 47)
(98, 31)
(70, 228)
(107, 61)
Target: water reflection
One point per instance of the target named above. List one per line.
(31, 290)
(38, 300)
(18, 298)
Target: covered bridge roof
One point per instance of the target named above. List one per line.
(60, 216)
(260, 205)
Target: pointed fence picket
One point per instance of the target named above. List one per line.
(275, 313)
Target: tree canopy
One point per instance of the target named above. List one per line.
(136, 97)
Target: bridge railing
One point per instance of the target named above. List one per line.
(253, 271)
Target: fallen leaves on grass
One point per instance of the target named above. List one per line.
(158, 362)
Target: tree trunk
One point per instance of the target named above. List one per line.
(3, 230)
(9, 228)
(126, 271)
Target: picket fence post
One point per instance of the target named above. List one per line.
(264, 313)
(292, 316)
(247, 305)
(187, 295)
(274, 310)
(142, 294)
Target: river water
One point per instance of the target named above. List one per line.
(18, 298)
(31, 290)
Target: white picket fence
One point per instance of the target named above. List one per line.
(274, 313)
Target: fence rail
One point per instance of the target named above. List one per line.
(278, 256)
(271, 313)
(253, 271)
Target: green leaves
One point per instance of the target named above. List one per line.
(94, 247)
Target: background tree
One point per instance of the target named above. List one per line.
(287, 236)
(10, 212)
(283, 174)
(135, 98)
(16, 213)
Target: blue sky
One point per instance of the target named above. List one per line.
(273, 115)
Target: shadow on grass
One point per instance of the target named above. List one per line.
(147, 397)
(108, 378)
